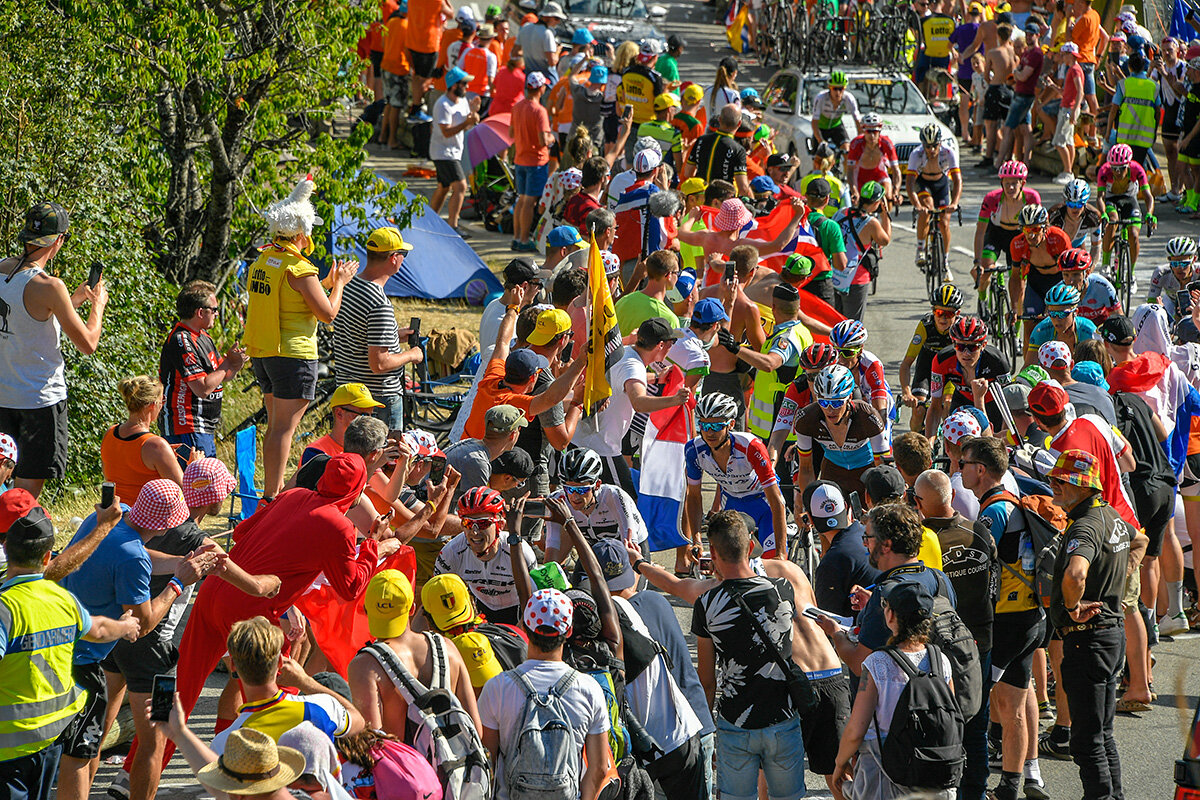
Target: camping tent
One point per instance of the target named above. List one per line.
(439, 266)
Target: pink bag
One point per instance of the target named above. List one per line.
(403, 774)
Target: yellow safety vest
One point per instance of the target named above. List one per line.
(1137, 123)
(278, 321)
(693, 255)
(38, 695)
(769, 386)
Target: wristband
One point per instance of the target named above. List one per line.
(177, 585)
(512, 308)
(514, 539)
(432, 506)
(637, 565)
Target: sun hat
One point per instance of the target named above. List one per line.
(733, 216)
(684, 283)
(598, 75)
(388, 601)
(447, 601)
(763, 183)
(1078, 467)
(207, 481)
(548, 612)
(160, 506)
(666, 100)
(614, 564)
(1091, 373)
(252, 764)
(421, 443)
(486, 31)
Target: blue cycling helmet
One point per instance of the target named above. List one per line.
(848, 333)
(834, 383)
(1077, 191)
(1062, 295)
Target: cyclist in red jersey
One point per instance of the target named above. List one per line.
(872, 157)
(1035, 252)
(970, 367)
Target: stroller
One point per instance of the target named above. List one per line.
(493, 194)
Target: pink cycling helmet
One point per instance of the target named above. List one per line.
(1120, 155)
(1014, 169)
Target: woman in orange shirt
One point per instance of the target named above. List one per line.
(131, 455)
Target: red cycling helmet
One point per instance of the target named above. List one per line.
(481, 501)
(1075, 260)
(1014, 169)
(968, 329)
(818, 356)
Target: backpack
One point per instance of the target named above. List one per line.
(544, 761)
(1044, 522)
(447, 735)
(923, 748)
(954, 639)
(609, 674)
(400, 772)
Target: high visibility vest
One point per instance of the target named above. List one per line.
(38, 695)
(693, 255)
(1136, 125)
(770, 386)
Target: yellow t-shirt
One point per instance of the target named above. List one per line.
(931, 549)
(278, 320)
(935, 31)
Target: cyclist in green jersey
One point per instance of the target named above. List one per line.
(828, 109)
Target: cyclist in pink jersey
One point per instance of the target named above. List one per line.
(1119, 183)
(997, 224)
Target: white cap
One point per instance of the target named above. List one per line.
(646, 160)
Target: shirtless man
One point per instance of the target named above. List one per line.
(727, 226)
(389, 602)
(1000, 61)
(794, 271)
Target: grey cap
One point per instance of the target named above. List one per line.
(1016, 395)
(552, 9)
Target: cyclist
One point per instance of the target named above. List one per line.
(1168, 284)
(1036, 253)
(969, 367)
(1098, 298)
(739, 463)
(931, 337)
(866, 230)
(1078, 219)
(849, 336)
(851, 433)
(602, 510)
(813, 359)
(998, 224)
(936, 29)
(828, 109)
(872, 157)
(1061, 323)
(1123, 181)
(934, 182)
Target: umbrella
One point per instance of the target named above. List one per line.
(487, 139)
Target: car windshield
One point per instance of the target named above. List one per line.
(635, 9)
(880, 95)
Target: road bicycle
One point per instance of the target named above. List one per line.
(1122, 263)
(995, 310)
(936, 258)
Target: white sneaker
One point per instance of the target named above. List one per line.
(1063, 178)
(1173, 625)
(947, 275)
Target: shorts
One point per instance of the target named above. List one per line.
(777, 749)
(138, 662)
(287, 378)
(449, 172)
(1170, 122)
(922, 369)
(924, 62)
(821, 286)
(1089, 78)
(396, 89)
(836, 136)
(849, 479)
(203, 442)
(964, 85)
(422, 63)
(876, 173)
(1127, 207)
(531, 180)
(1064, 130)
(83, 737)
(499, 616)
(823, 725)
(1155, 505)
(1018, 111)
(376, 62)
(41, 437)
(31, 777)
(1015, 637)
(559, 147)
(1051, 107)
(938, 190)
(612, 127)
(758, 509)
(1036, 286)
(996, 102)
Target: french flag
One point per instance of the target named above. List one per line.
(662, 484)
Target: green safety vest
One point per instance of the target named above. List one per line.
(1137, 122)
(38, 695)
(769, 386)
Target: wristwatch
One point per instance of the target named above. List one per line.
(637, 565)
(514, 538)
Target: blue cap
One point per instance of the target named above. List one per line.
(563, 236)
(455, 75)
(763, 183)
(708, 311)
(1090, 372)
(520, 366)
(582, 36)
(683, 287)
(599, 74)
(980, 416)
(749, 91)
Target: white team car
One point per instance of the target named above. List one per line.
(789, 98)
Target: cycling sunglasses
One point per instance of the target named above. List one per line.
(576, 490)
(1119, 168)
(1180, 264)
(849, 352)
(968, 347)
(713, 427)
(1060, 314)
(945, 312)
(477, 522)
(1033, 228)
(1075, 205)
(836, 403)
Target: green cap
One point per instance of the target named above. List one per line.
(798, 265)
(503, 419)
(44, 223)
(1033, 375)
(550, 576)
(870, 191)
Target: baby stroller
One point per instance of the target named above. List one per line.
(493, 193)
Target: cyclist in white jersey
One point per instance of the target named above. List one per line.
(828, 109)
(602, 511)
(934, 182)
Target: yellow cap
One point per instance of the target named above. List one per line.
(550, 323)
(389, 602)
(447, 601)
(693, 186)
(666, 100)
(692, 95)
(387, 240)
(353, 394)
(476, 650)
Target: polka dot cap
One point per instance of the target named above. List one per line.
(612, 262)
(958, 426)
(549, 608)
(571, 179)
(8, 447)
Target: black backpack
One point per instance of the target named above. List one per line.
(952, 637)
(923, 748)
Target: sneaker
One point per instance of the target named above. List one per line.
(1063, 178)
(921, 260)
(419, 116)
(463, 232)
(119, 788)
(1036, 790)
(1173, 625)
(1045, 710)
(986, 163)
(1051, 749)
(1169, 197)
(514, 245)
(994, 760)
(526, 247)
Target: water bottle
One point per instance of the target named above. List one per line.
(1026, 553)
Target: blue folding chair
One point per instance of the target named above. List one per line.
(245, 451)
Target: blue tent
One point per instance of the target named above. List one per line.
(439, 266)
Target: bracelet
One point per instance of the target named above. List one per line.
(177, 585)
(432, 506)
(637, 565)
(512, 308)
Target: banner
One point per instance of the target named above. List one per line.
(604, 342)
(662, 483)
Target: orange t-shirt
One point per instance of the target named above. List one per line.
(122, 464)
(560, 95)
(424, 25)
(1086, 34)
(491, 394)
(395, 51)
(497, 47)
(529, 122)
(375, 30)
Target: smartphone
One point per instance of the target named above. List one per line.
(535, 507)
(414, 338)
(729, 267)
(95, 274)
(162, 698)
(706, 565)
(437, 470)
(627, 111)
(108, 493)
(1194, 286)
(856, 506)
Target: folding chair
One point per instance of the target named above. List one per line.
(245, 450)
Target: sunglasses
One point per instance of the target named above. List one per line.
(576, 490)
(712, 427)
(1180, 264)
(965, 461)
(1033, 228)
(476, 523)
(1122, 168)
(945, 312)
(1075, 205)
(831, 403)
(849, 352)
(214, 310)
(1060, 314)
(966, 347)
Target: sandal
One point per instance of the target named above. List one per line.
(1128, 706)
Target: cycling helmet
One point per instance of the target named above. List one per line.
(872, 121)
(1077, 191)
(1075, 260)
(580, 466)
(818, 356)
(1062, 295)
(716, 406)
(931, 134)
(481, 501)
(1033, 216)
(848, 333)
(968, 329)
(870, 192)
(947, 296)
(1180, 248)
(1120, 155)
(834, 383)
(837, 78)
(1014, 169)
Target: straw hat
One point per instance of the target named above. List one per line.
(252, 764)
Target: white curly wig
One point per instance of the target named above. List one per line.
(294, 214)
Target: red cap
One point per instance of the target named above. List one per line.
(14, 504)
(1048, 398)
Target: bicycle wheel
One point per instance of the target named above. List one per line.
(1005, 334)
(768, 41)
(1124, 272)
(785, 41)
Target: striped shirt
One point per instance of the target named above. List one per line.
(365, 320)
(281, 712)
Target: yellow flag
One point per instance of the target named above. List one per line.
(604, 341)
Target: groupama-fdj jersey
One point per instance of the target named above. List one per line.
(747, 472)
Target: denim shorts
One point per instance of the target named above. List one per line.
(204, 442)
(1089, 78)
(1018, 112)
(778, 750)
(531, 180)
